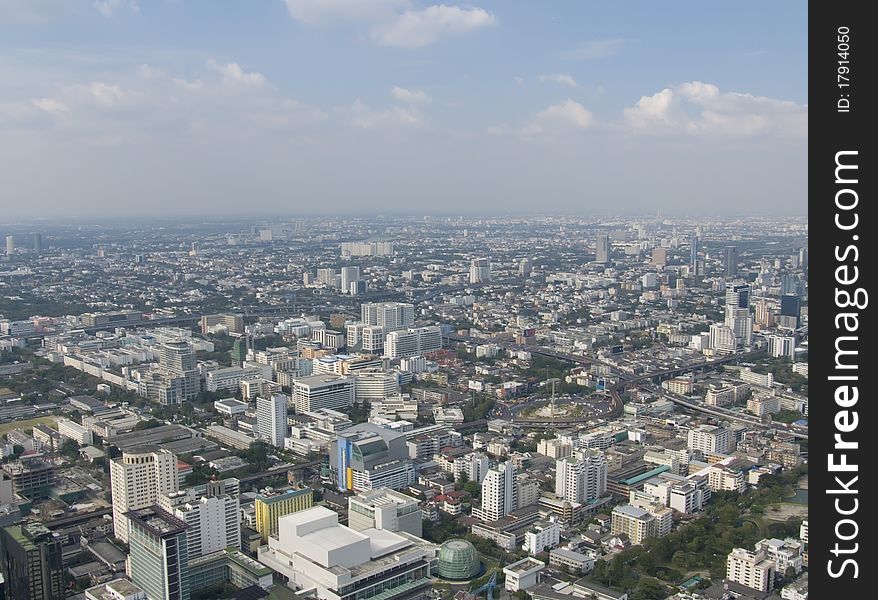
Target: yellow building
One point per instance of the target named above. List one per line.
(272, 506)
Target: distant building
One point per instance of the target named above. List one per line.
(136, 480)
(271, 506)
(271, 419)
(730, 261)
(384, 509)
(602, 250)
(480, 270)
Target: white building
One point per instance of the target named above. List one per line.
(212, 513)
(751, 569)
(391, 316)
(323, 391)
(136, 480)
(581, 477)
(76, 432)
(313, 552)
(498, 493)
(541, 536)
(271, 419)
(475, 465)
(412, 342)
(372, 386)
(710, 439)
(523, 574)
(785, 554)
(230, 407)
(385, 509)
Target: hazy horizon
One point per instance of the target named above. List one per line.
(118, 109)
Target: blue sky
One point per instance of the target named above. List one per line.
(309, 106)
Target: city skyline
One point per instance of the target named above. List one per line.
(347, 107)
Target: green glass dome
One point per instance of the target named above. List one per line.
(458, 559)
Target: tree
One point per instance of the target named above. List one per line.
(70, 450)
(472, 488)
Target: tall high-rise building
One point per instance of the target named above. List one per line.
(602, 250)
(10, 245)
(136, 480)
(38, 242)
(271, 419)
(525, 267)
(212, 512)
(158, 555)
(480, 270)
(738, 295)
(384, 509)
(581, 477)
(392, 316)
(178, 359)
(730, 263)
(349, 275)
(740, 322)
(31, 562)
(498, 493)
(790, 310)
(660, 256)
(694, 249)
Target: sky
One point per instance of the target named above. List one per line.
(126, 108)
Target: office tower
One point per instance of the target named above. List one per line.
(738, 295)
(581, 477)
(323, 391)
(368, 456)
(694, 248)
(358, 287)
(480, 270)
(178, 359)
(740, 322)
(392, 316)
(401, 344)
(10, 245)
(271, 419)
(385, 509)
(659, 257)
(239, 350)
(790, 309)
(602, 250)
(158, 555)
(525, 267)
(270, 506)
(349, 275)
(803, 259)
(498, 493)
(213, 513)
(730, 264)
(136, 480)
(38, 242)
(790, 284)
(31, 562)
(314, 553)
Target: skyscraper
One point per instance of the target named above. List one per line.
(38, 242)
(158, 554)
(271, 419)
(738, 295)
(480, 270)
(212, 512)
(10, 245)
(178, 358)
(349, 275)
(731, 261)
(694, 248)
(136, 480)
(581, 477)
(31, 562)
(602, 250)
(525, 267)
(498, 493)
(392, 316)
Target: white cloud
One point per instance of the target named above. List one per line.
(594, 49)
(558, 118)
(561, 78)
(360, 115)
(234, 74)
(409, 96)
(105, 94)
(325, 12)
(519, 80)
(50, 105)
(418, 28)
(109, 7)
(699, 108)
